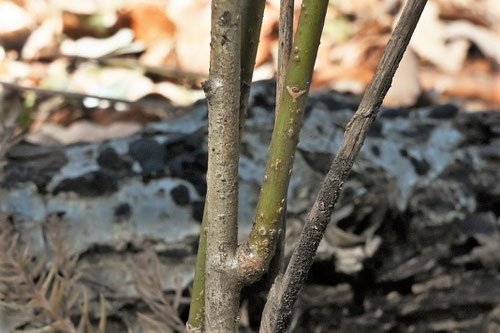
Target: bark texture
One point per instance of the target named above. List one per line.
(252, 13)
(222, 290)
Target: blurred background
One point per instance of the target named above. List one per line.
(60, 55)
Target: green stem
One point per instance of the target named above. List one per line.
(197, 308)
(252, 12)
(255, 255)
(277, 264)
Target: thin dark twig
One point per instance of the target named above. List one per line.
(284, 295)
(75, 95)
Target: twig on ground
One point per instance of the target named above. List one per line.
(164, 72)
(80, 96)
(50, 293)
(149, 287)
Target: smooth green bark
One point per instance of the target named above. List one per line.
(255, 255)
(277, 264)
(197, 308)
(252, 12)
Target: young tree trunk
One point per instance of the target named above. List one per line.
(223, 95)
(252, 13)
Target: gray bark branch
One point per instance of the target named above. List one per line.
(284, 295)
(223, 96)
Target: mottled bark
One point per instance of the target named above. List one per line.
(252, 13)
(223, 95)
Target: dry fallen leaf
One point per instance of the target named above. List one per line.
(479, 12)
(79, 132)
(406, 88)
(192, 40)
(430, 42)
(343, 79)
(154, 28)
(15, 25)
(112, 82)
(479, 87)
(178, 94)
(87, 7)
(90, 47)
(486, 40)
(43, 40)
(150, 23)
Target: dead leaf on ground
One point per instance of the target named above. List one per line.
(192, 40)
(120, 83)
(153, 27)
(406, 87)
(50, 134)
(487, 41)
(430, 42)
(15, 25)
(463, 86)
(43, 41)
(89, 47)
